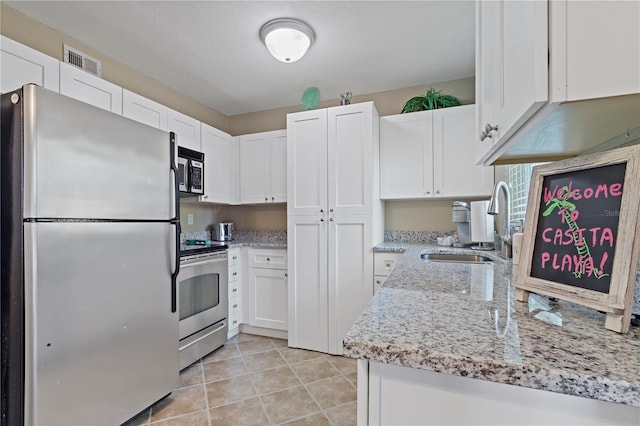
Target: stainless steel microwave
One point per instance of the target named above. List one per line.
(190, 171)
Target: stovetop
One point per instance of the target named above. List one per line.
(191, 247)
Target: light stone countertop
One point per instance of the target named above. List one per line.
(463, 319)
(259, 239)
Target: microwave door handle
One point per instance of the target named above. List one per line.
(175, 221)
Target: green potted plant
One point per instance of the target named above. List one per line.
(433, 99)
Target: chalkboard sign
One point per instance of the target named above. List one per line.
(579, 238)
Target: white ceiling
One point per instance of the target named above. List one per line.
(211, 50)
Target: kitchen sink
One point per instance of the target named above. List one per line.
(455, 257)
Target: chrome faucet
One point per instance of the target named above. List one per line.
(493, 209)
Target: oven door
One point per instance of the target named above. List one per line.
(202, 294)
(183, 174)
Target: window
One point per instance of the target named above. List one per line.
(519, 176)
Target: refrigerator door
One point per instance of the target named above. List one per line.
(101, 340)
(82, 162)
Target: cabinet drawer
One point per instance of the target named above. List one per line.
(378, 280)
(234, 289)
(234, 273)
(234, 257)
(270, 259)
(383, 263)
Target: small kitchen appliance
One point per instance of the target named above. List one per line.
(482, 230)
(190, 171)
(461, 217)
(222, 231)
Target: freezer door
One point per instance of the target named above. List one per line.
(83, 162)
(101, 340)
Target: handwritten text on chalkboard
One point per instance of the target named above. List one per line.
(577, 227)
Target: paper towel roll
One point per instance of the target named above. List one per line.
(481, 222)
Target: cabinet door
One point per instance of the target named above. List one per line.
(278, 166)
(406, 156)
(218, 161)
(350, 274)
(350, 152)
(144, 110)
(308, 309)
(455, 171)
(307, 162)
(20, 65)
(514, 50)
(187, 130)
(254, 158)
(268, 298)
(88, 88)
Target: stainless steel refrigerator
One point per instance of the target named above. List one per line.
(89, 255)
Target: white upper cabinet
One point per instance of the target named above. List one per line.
(406, 155)
(263, 172)
(556, 79)
(144, 110)
(431, 154)
(455, 173)
(221, 166)
(187, 130)
(88, 88)
(22, 65)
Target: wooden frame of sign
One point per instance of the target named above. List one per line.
(580, 238)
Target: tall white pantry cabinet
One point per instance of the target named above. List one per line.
(334, 219)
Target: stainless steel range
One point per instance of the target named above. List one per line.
(202, 301)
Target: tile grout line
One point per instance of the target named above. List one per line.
(307, 389)
(206, 394)
(255, 388)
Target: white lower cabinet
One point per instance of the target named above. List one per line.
(394, 395)
(235, 292)
(383, 264)
(268, 291)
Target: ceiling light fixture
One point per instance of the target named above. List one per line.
(287, 39)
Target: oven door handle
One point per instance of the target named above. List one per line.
(204, 262)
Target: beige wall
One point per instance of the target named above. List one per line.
(400, 215)
(38, 36)
(387, 103)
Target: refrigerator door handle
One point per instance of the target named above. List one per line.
(176, 222)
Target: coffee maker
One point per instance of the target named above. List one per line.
(461, 216)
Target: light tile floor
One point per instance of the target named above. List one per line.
(255, 380)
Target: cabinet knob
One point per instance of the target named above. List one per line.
(321, 210)
(331, 210)
(388, 265)
(235, 273)
(273, 198)
(428, 192)
(266, 198)
(438, 191)
(234, 257)
(235, 305)
(286, 275)
(322, 219)
(377, 281)
(235, 322)
(205, 197)
(331, 219)
(234, 290)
